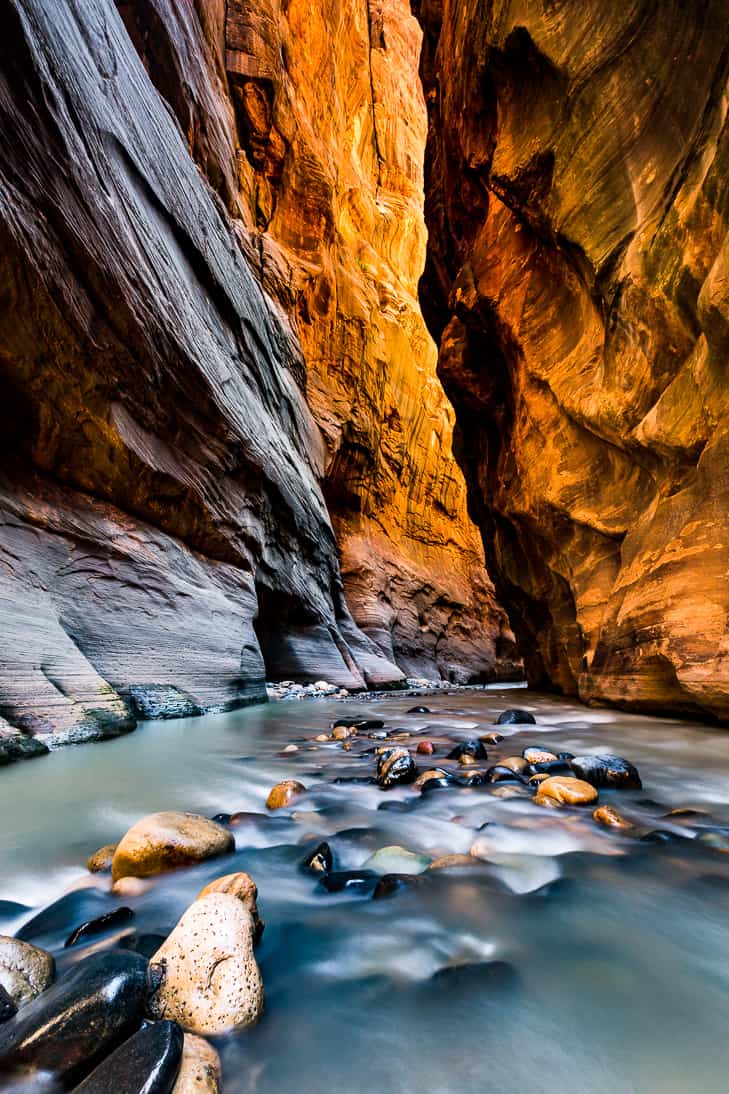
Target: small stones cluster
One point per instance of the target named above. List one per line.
(289, 689)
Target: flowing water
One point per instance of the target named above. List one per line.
(619, 947)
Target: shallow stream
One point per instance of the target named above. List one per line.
(617, 947)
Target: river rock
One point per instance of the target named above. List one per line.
(454, 862)
(395, 766)
(397, 860)
(419, 710)
(243, 887)
(435, 778)
(205, 976)
(321, 860)
(475, 749)
(425, 748)
(164, 841)
(108, 922)
(25, 970)
(499, 774)
(284, 793)
(612, 771)
(359, 723)
(358, 882)
(605, 814)
(8, 1006)
(515, 717)
(565, 790)
(534, 755)
(389, 884)
(75, 1023)
(148, 1063)
(342, 733)
(491, 738)
(200, 1068)
(517, 764)
(101, 860)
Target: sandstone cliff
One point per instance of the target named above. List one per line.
(179, 269)
(577, 190)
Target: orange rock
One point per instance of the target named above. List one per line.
(565, 790)
(425, 748)
(283, 793)
(605, 814)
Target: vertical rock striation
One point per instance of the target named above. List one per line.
(577, 281)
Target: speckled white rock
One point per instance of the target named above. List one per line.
(205, 976)
(25, 970)
(200, 1068)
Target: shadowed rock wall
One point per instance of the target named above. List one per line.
(577, 184)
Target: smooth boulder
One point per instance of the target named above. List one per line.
(205, 975)
(607, 771)
(101, 860)
(164, 841)
(76, 1023)
(397, 860)
(243, 887)
(610, 818)
(200, 1068)
(475, 749)
(515, 717)
(25, 970)
(284, 793)
(148, 1063)
(565, 790)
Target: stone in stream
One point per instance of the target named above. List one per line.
(612, 771)
(397, 860)
(147, 1063)
(491, 738)
(116, 918)
(499, 774)
(200, 1068)
(389, 884)
(284, 793)
(8, 1006)
(475, 976)
(25, 970)
(358, 723)
(425, 748)
(243, 887)
(101, 860)
(515, 717)
(19, 746)
(434, 779)
(419, 710)
(475, 749)
(51, 926)
(550, 767)
(360, 882)
(76, 1023)
(534, 755)
(454, 862)
(565, 790)
(205, 975)
(342, 733)
(321, 859)
(517, 764)
(395, 766)
(606, 815)
(164, 841)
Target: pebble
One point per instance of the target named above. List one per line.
(75, 1023)
(515, 717)
(164, 841)
(474, 749)
(341, 733)
(321, 860)
(107, 922)
(147, 1063)
(131, 886)
(200, 1068)
(289, 748)
(491, 738)
(100, 861)
(425, 748)
(25, 970)
(538, 755)
(395, 766)
(419, 710)
(612, 771)
(499, 774)
(605, 814)
(565, 790)
(205, 975)
(517, 764)
(321, 737)
(284, 793)
(397, 860)
(243, 887)
(435, 777)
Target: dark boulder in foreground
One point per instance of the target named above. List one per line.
(147, 1063)
(515, 717)
(75, 1023)
(611, 771)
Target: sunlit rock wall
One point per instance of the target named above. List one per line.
(577, 183)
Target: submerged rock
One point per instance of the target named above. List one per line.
(475, 749)
(321, 859)
(612, 771)
(605, 814)
(205, 975)
(565, 790)
(515, 717)
(8, 1006)
(475, 976)
(491, 738)
(25, 970)
(419, 710)
(147, 1063)
(454, 862)
(425, 748)
(434, 779)
(164, 841)
(499, 774)
(397, 860)
(74, 1024)
(116, 918)
(395, 766)
(389, 884)
(351, 881)
(101, 860)
(517, 764)
(243, 887)
(200, 1068)
(284, 793)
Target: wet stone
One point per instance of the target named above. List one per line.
(565, 790)
(321, 859)
(25, 970)
(53, 924)
(243, 888)
(476, 976)
(515, 717)
(534, 755)
(610, 818)
(390, 884)
(360, 882)
(8, 1006)
(147, 1063)
(395, 766)
(100, 861)
(397, 860)
(491, 738)
(610, 771)
(499, 774)
(419, 710)
(75, 1023)
(167, 840)
(284, 793)
(425, 748)
(474, 748)
(103, 923)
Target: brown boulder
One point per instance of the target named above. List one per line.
(164, 841)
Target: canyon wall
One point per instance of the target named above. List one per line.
(182, 266)
(577, 197)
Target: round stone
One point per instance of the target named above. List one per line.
(565, 790)
(284, 793)
(395, 766)
(101, 860)
(605, 814)
(515, 717)
(164, 841)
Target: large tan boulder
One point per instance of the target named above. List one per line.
(205, 975)
(243, 887)
(25, 970)
(163, 841)
(200, 1068)
(565, 790)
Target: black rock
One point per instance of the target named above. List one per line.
(445, 779)
(473, 748)
(476, 976)
(501, 774)
(552, 767)
(395, 767)
(351, 881)
(8, 1007)
(52, 925)
(565, 755)
(75, 1023)
(389, 884)
(419, 710)
(661, 835)
(146, 944)
(221, 818)
(515, 717)
(321, 860)
(103, 923)
(358, 723)
(612, 771)
(147, 1063)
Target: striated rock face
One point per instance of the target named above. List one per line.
(578, 282)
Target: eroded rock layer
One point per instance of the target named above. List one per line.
(577, 184)
(168, 219)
